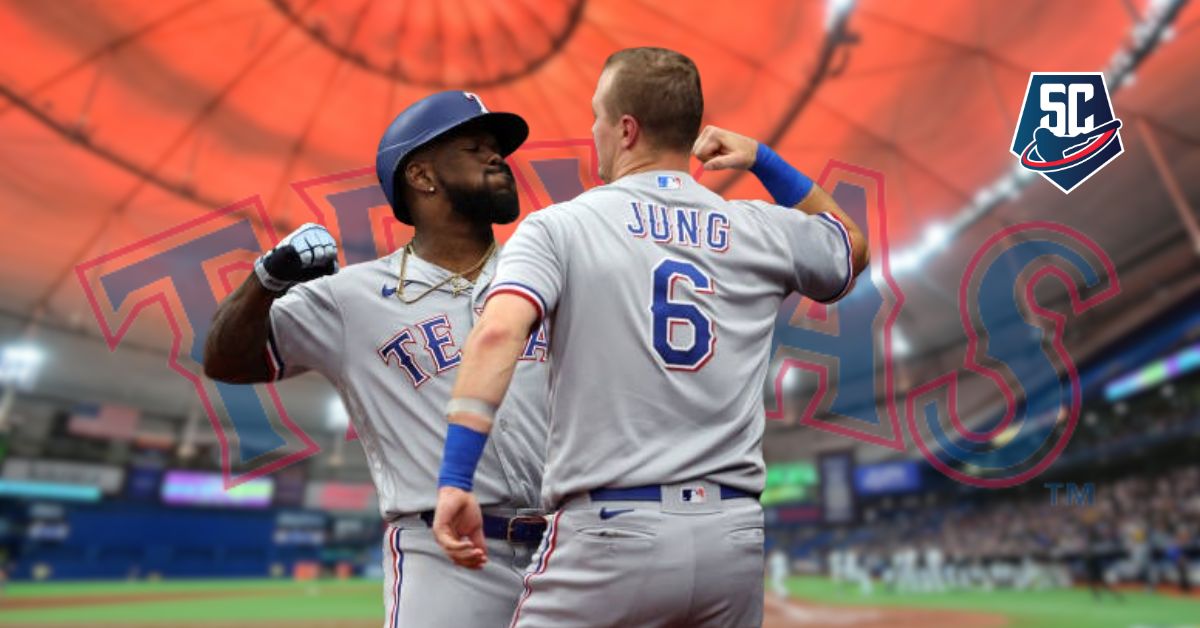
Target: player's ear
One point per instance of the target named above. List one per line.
(418, 175)
(630, 131)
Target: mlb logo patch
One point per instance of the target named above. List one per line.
(669, 182)
(1067, 130)
(694, 495)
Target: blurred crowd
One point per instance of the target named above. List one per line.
(1134, 518)
(1167, 412)
(1139, 529)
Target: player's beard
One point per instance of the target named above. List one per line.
(481, 204)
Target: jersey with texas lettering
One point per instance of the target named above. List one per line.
(394, 364)
(662, 296)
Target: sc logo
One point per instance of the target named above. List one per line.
(1067, 130)
(1067, 107)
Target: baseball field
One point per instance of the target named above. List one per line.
(819, 602)
(814, 602)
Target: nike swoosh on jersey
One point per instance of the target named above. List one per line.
(605, 513)
(387, 292)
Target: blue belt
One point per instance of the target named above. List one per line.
(521, 529)
(654, 494)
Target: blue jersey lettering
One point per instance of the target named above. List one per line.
(680, 226)
(396, 347)
(439, 343)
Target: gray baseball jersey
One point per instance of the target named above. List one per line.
(662, 296)
(393, 364)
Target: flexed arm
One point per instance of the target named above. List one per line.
(235, 350)
(720, 149)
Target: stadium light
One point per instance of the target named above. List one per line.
(1022, 174)
(336, 421)
(836, 11)
(984, 196)
(936, 236)
(1007, 188)
(900, 344)
(905, 261)
(336, 417)
(20, 365)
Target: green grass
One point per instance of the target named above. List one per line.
(362, 600)
(246, 600)
(1033, 609)
(59, 589)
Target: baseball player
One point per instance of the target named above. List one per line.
(857, 571)
(662, 297)
(6, 556)
(389, 334)
(835, 565)
(909, 570)
(934, 575)
(779, 570)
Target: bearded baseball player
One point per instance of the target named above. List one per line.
(662, 297)
(388, 334)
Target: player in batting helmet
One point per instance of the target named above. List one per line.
(441, 165)
(428, 120)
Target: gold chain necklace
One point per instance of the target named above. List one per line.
(455, 289)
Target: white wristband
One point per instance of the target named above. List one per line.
(264, 277)
(473, 406)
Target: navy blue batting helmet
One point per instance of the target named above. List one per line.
(430, 118)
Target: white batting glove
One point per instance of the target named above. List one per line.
(306, 253)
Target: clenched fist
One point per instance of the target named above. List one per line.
(306, 253)
(719, 149)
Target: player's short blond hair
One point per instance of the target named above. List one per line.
(660, 88)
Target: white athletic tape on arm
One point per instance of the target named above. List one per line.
(473, 406)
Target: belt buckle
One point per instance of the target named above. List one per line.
(519, 519)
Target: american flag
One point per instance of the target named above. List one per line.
(104, 420)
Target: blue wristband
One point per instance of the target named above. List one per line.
(787, 185)
(464, 448)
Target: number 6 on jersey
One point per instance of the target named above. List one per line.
(667, 314)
